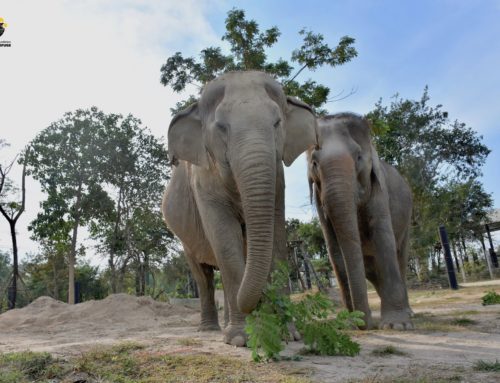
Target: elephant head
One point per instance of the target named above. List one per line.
(344, 170)
(240, 130)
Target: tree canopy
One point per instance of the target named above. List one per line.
(441, 159)
(248, 51)
(105, 172)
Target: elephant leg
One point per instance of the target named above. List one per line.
(403, 254)
(395, 310)
(336, 258)
(226, 310)
(224, 233)
(371, 274)
(204, 276)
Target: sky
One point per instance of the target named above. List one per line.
(108, 53)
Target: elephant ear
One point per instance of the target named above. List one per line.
(185, 138)
(300, 130)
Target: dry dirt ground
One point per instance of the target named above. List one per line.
(453, 331)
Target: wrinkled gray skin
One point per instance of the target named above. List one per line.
(364, 207)
(225, 200)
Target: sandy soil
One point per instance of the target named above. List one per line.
(438, 350)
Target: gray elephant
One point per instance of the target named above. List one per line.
(225, 200)
(364, 206)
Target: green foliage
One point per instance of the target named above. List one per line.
(248, 46)
(387, 351)
(315, 53)
(269, 323)
(463, 321)
(264, 329)
(441, 159)
(310, 233)
(324, 338)
(483, 365)
(105, 172)
(491, 298)
(28, 366)
(92, 284)
(173, 276)
(46, 274)
(181, 105)
(5, 267)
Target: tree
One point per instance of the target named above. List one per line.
(66, 158)
(313, 243)
(308, 232)
(248, 52)
(11, 209)
(135, 176)
(440, 159)
(151, 242)
(45, 275)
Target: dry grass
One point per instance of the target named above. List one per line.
(189, 342)
(388, 351)
(131, 362)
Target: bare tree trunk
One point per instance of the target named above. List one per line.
(437, 254)
(462, 269)
(487, 257)
(121, 276)
(138, 278)
(72, 254)
(474, 256)
(12, 219)
(111, 262)
(15, 266)
(433, 260)
(112, 270)
(54, 275)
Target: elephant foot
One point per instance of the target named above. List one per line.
(396, 320)
(209, 326)
(235, 335)
(369, 325)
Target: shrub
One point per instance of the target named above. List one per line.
(491, 298)
(482, 365)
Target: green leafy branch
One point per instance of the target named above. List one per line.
(314, 316)
(248, 51)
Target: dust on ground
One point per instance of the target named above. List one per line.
(444, 346)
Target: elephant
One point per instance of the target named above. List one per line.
(364, 206)
(225, 200)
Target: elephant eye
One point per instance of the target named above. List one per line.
(277, 123)
(221, 127)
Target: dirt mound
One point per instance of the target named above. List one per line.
(123, 310)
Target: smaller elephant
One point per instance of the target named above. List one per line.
(364, 207)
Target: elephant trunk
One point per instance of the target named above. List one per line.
(255, 175)
(341, 206)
